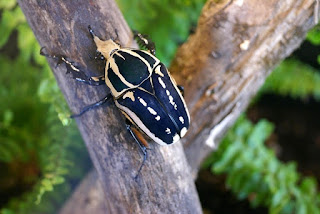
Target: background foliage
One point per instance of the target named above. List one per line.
(39, 144)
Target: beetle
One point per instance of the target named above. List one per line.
(142, 89)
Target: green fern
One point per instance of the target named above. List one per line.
(314, 35)
(253, 170)
(295, 79)
(166, 22)
(30, 131)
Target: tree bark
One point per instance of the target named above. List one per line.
(165, 184)
(87, 199)
(236, 45)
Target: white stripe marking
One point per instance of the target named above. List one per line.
(140, 124)
(158, 71)
(161, 82)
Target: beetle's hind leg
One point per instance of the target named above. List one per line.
(142, 143)
(181, 89)
(77, 74)
(94, 105)
(144, 41)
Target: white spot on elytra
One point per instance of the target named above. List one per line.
(171, 100)
(143, 102)
(181, 119)
(183, 131)
(152, 111)
(176, 138)
(161, 82)
(168, 131)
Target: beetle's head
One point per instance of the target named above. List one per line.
(106, 48)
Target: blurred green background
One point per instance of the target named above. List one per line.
(42, 156)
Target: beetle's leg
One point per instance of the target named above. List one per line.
(145, 41)
(94, 105)
(181, 89)
(74, 70)
(142, 143)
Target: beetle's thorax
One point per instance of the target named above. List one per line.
(106, 48)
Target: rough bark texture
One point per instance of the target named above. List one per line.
(89, 198)
(236, 45)
(165, 184)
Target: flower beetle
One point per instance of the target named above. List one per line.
(141, 88)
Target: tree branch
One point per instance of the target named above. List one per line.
(236, 45)
(165, 183)
(89, 198)
(223, 65)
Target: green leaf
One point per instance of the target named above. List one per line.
(314, 35)
(58, 180)
(309, 186)
(279, 200)
(7, 4)
(7, 118)
(253, 169)
(228, 158)
(9, 21)
(47, 184)
(26, 41)
(260, 133)
(7, 211)
(295, 79)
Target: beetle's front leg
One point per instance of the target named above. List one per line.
(145, 41)
(94, 105)
(76, 73)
